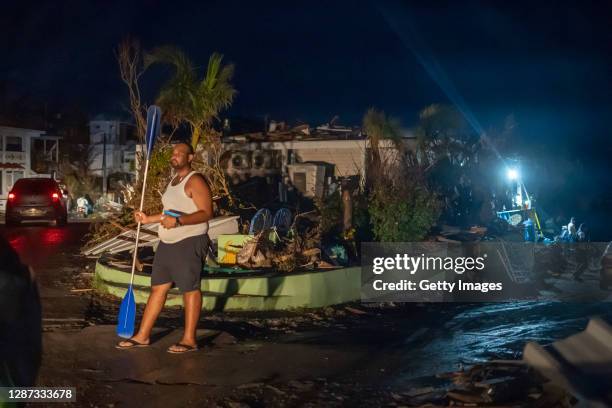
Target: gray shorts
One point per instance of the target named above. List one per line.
(180, 263)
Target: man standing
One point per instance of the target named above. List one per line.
(181, 252)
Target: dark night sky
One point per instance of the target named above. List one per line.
(549, 64)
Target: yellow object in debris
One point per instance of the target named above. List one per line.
(228, 247)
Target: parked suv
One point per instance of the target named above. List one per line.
(36, 199)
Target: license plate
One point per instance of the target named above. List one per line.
(33, 212)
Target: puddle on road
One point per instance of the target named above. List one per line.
(497, 330)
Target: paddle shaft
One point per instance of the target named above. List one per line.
(142, 197)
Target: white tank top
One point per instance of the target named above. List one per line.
(175, 198)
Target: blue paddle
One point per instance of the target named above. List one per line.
(127, 310)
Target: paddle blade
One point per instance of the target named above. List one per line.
(127, 315)
(153, 127)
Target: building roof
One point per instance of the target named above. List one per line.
(281, 132)
(22, 130)
(11, 166)
(32, 132)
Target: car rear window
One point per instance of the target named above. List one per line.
(35, 186)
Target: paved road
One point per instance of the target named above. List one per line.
(403, 348)
(53, 254)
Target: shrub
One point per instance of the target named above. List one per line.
(330, 209)
(402, 212)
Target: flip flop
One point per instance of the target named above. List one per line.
(186, 348)
(133, 344)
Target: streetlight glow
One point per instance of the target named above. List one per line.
(512, 174)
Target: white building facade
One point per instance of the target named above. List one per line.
(111, 136)
(19, 149)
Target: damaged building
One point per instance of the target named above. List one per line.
(310, 160)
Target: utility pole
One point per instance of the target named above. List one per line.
(104, 167)
(104, 178)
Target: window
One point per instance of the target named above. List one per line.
(34, 185)
(237, 161)
(299, 181)
(14, 144)
(258, 161)
(12, 176)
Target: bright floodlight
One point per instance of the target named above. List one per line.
(512, 174)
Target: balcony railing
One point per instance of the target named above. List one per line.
(14, 157)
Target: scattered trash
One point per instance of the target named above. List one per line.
(355, 311)
(226, 224)
(493, 383)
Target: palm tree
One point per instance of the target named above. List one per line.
(443, 133)
(187, 99)
(377, 126)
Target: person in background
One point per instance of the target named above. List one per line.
(571, 229)
(583, 251)
(582, 233)
(564, 236)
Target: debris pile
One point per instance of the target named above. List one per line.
(494, 383)
(284, 253)
(581, 362)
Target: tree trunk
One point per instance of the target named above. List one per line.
(195, 136)
(347, 202)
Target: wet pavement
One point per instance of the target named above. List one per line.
(53, 254)
(355, 356)
(482, 332)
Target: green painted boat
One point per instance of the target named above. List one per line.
(223, 290)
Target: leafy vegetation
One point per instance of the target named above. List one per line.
(401, 206)
(187, 99)
(402, 212)
(76, 174)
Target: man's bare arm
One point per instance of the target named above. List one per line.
(198, 190)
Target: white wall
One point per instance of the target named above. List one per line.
(98, 128)
(118, 154)
(22, 158)
(117, 157)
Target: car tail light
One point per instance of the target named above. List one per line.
(11, 196)
(55, 196)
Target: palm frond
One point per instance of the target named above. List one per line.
(185, 98)
(171, 55)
